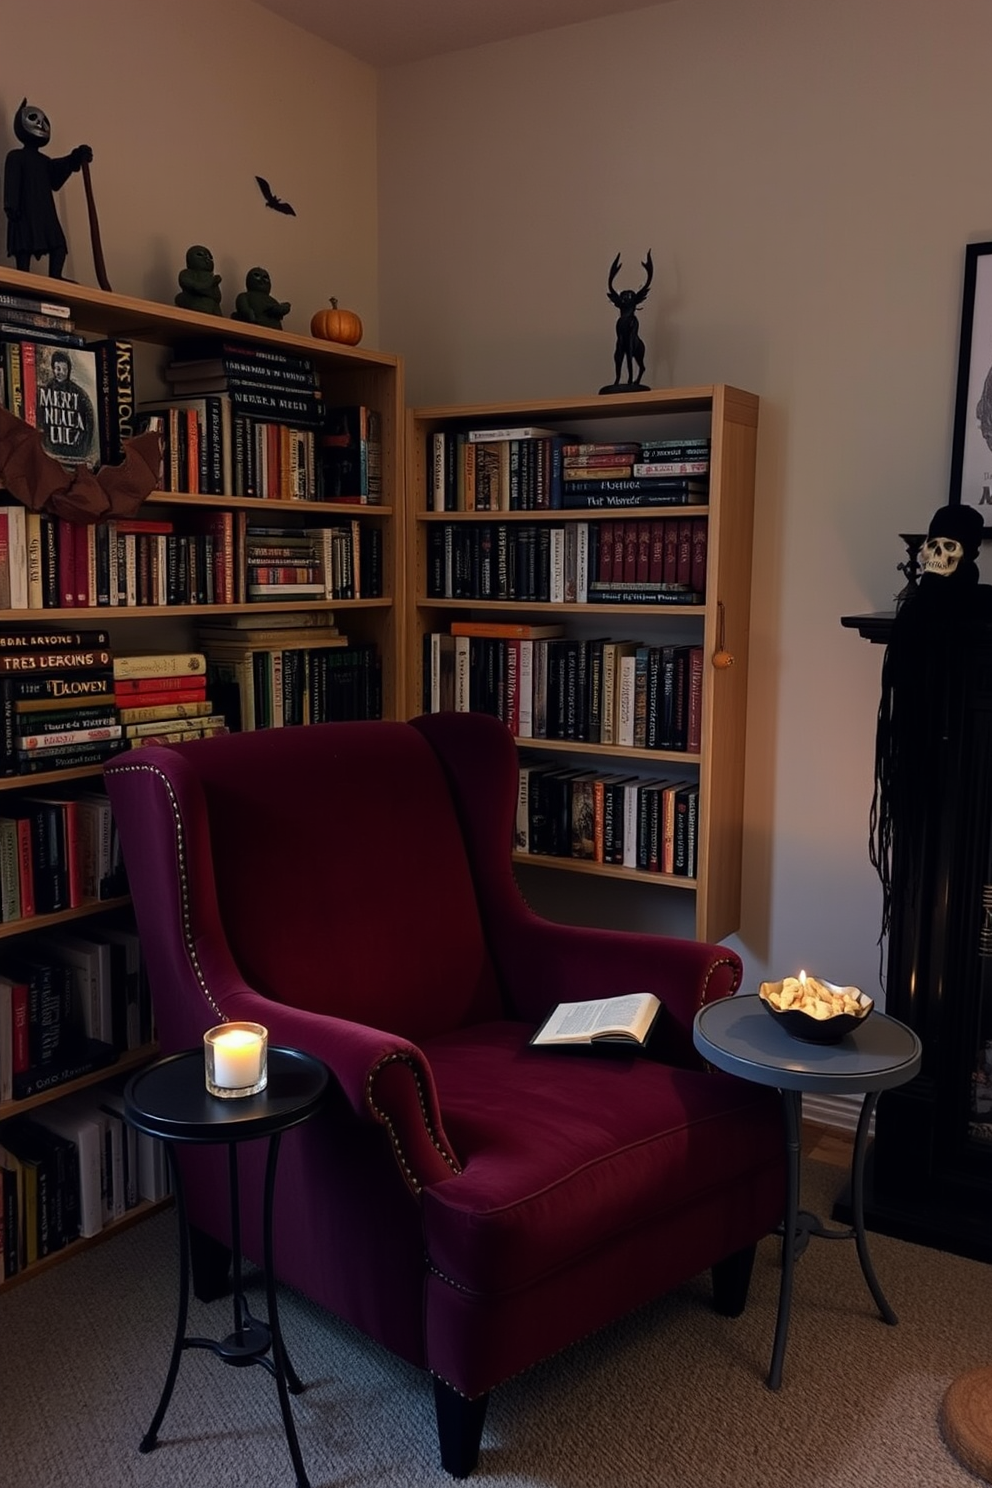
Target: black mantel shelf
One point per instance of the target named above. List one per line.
(874, 628)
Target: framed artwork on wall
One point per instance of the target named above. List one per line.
(971, 450)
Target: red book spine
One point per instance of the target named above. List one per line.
(134, 686)
(67, 562)
(618, 547)
(656, 558)
(698, 570)
(684, 570)
(630, 553)
(606, 552)
(20, 1021)
(81, 562)
(74, 866)
(29, 383)
(671, 549)
(643, 568)
(161, 699)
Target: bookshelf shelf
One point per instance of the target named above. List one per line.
(142, 1211)
(605, 870)
(728, 417)
(349, 377)
(131, 1059)
(264, 503)
(84, 911)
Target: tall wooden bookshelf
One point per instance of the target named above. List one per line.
(729, 417)
(348, 376)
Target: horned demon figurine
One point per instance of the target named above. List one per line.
(629, 347)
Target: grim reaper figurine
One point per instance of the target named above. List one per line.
(928, 672)
(30, 181)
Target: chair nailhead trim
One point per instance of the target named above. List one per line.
(190, 944)
(381, 1116)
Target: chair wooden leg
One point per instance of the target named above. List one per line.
(731, 1279)
(210, 1264)
(459, 1428)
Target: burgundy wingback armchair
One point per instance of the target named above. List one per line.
(468, 1201)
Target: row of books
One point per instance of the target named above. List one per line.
(623, 820)
(550, 686)
(66, 701)
(70, 1003)
(206, 557)
(534, 469)
(252, 421)
(68, 1170)
(56, 853)
(652, 561)
(241, 420)
(271, 684)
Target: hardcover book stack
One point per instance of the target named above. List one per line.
(651, 561)
(240, 420)
(544, 685)
(56, 700)
(646, 824)
(275, 671)
(163, 699)
(534, 469)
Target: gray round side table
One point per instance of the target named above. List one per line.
(737, 1035)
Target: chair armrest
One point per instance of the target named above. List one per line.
(386, 1079)
(545, 963)
(539, 962)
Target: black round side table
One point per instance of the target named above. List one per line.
(169, 1099)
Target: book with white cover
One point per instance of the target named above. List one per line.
(626, 1019)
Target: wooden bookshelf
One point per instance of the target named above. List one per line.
(348, 376)
(729, 417)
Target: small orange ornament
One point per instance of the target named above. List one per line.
(337, 325)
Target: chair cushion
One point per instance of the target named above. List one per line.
(565, 1151)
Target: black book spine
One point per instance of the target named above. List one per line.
(50, 597)
(115, 382)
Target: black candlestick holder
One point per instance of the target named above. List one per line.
(911, 568)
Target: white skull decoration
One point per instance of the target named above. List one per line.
(941, 555)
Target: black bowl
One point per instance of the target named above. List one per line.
(810, 1030)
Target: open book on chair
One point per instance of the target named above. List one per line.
(626, 1019)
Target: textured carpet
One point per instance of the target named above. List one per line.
(672, 1397)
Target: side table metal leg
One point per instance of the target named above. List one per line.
(792, 1105)
(858, 1205)
(150, 1438)
(286, 1376)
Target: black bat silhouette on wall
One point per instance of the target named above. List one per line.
(271, 200)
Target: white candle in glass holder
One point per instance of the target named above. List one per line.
(237, 1058)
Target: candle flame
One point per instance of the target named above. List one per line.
(802, 977)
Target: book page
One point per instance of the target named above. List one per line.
(630, 1015)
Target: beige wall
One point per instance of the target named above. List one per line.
(807, 175)
(183, 105)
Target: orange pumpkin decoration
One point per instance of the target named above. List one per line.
(337, 325)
